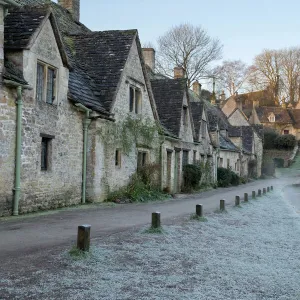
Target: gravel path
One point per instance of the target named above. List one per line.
(252, 252)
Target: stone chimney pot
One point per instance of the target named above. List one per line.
(197, 88)
(179, 72)
(149, 57)
(73, 6)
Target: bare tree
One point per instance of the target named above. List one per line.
(189, 47)
(279, 71)
(231, 75)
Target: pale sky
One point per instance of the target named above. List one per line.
(245, 27)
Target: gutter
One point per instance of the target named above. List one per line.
(86, 124)
(17, 188)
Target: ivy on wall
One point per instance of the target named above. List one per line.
(132, 131)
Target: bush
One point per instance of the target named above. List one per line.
(227, 177)
(270, 136)
(279, 162)
(191, 176)
(285, 142)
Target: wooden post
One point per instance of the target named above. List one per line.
(156, 220)
(83, 237)
(268, 189)
(222, 204)
(271, 187)
(253, 195)
(237, 200)
(199, 210)
(259, 193)
(264, 191)
(246, 197)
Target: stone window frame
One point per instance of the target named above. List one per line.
(46, 152)
(184, 115)
(271, 118)
(142, 158)
(118, 158)
(135, 99)
(46, 83)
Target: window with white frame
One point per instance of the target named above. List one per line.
(272, 118)
(135, 100)
(46, 83)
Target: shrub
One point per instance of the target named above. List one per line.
(270, 136)
(226, 177)
(149, 174)
(279, 162)
(285, 142)
(191, 176)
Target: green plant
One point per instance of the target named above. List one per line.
(77, 253)
(285, 142)
(197, 218)
(270, 136)
(153, 230)
(191, 176)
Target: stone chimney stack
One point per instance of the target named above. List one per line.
(149, 57)
(255, 103)
(238, 101)
(197, 88)
(179, 72)
(73, 6)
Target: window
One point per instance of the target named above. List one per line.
(272, 118)
(221, 162)
(45, 153)
(286, 131)
(203, 129)
(184, 115)
(195, 157)
(142, 159)
(228, 163)
(118, 158)
(45, 83)
(135, 100)
(185, 157)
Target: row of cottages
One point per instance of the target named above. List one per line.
(261, 108)
(79, 113)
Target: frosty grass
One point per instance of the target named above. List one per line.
(251, 252)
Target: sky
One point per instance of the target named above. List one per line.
(244, 27)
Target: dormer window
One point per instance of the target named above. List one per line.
(46, 83)
(271, 118)
(135, 100)
(185, 115)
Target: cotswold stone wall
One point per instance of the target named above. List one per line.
(283, 154)
(60, 184)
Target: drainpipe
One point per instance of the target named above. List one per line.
(18, 152)
(86, 124)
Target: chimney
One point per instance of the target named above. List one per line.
(149, 57)
(73, 6)
(197, 88)
(238, 101)
(255, 103)
(222, 97)
(179, 72)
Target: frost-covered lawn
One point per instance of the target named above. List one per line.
(251, 252)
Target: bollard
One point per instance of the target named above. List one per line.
(259, 193)
(268, 189)
(271, 187)
(246, 197)
(83, 237)
(222, 204)
(253, 195)
(156, 220)
(237, 200)
(264, 191)
(199, 210)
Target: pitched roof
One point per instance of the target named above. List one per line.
(168, 94)
(259, 129)
(197, 111)
(216, 117)
(281, 114)
(101, 56)
(21, 24)
(247, 138)
(295, 116)
(234, 131)
(227, 144)
(11, 72)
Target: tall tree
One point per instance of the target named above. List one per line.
(189, 47)
(231, 75)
